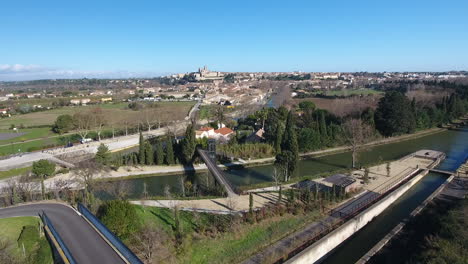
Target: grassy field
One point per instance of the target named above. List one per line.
(113, 113)
(30, 133)
(209, 111)
(344, 106)
(349, 92)
(239, 242)
(21, 231)
(14, 172)
(26, 146)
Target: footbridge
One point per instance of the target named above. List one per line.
(231, 190)
(442, 171)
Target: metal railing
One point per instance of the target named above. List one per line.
(113, 239)
(63, 248)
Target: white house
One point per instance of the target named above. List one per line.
(205, 132)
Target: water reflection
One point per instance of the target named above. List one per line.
(453, 143)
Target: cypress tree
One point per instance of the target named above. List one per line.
(141, 150)
(280, 194)
(169, 152)
(323, 127)
(290, 143)
(188, 144)
(149, 159)
(279, 136)
(159, 153)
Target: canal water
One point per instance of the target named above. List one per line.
(453, 143)
(360, 243)
(456, 148)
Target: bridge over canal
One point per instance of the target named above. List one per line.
(218, 174)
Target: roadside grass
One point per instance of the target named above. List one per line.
(240, 241)
(164, 218)
(14, 172)
(21, 231)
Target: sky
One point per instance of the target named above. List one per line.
(120, 39)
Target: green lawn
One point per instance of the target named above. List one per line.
(14, 172)
(21, 231)
(10, 228)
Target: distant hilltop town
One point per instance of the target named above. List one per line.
(203, 74)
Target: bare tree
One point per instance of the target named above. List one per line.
(126, 122)
(82, 122)
(85, 173)
(276, 177)
(118, 189)
(150, 244)
(26, 188)
(231, 203)
(99, 120)
(149, 116)
(357, 134)
(59, 185)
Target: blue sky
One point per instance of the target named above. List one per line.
(61, 39)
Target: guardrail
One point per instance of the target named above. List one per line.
(111, 238)
(62, 249)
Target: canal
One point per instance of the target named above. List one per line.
(360, 243)
(453, 143)
(456, 148)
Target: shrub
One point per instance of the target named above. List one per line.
(120, 217)
(246, 151)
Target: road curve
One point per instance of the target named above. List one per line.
(84, 243)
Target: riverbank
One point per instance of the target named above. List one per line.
(130, 172)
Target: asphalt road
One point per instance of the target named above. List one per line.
(84, 243)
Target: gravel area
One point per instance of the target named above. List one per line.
(6, 136)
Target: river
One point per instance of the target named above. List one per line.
(453, 143)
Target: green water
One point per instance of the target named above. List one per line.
(453, 143)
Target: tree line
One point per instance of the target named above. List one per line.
(305, 128)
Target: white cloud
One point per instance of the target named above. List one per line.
(19, 72)
(19, 68)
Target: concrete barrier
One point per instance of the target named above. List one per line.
(325, 245)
